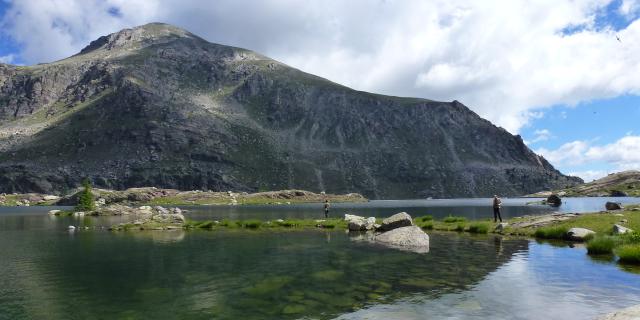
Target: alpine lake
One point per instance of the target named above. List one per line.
(48, 272)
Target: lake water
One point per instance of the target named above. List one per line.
(47, 272)
(476, 208)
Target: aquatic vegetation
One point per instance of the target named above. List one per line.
(428, 225)
(328, 275)
(269, 285)
(423, 218)
(553, 232)
(251, 224)
(602, 245)
(453, 219)
(479, 227)
(629, 253)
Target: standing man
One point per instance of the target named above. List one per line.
(326, 208)
(497, 203)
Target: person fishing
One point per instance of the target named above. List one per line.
(326, 208)
(497, 204)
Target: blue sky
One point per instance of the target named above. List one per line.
(551, 71)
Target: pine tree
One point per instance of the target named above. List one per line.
(86, 202)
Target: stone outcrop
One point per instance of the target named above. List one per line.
(613, 205)
(579, 234)
(358, 223)
(397, 220)
(158, 106)
(554, 200)
(618, 229)
(410, 238)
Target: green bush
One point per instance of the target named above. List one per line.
(251, 224)
(426, 225)
(86, 202)
(601, 245)
(629, 253)
(459, 227)
(631, 238)
(479, 228)
(452, 219)
(424, 218)
(558, 232)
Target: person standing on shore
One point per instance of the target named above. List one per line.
(497, 203)
(326, 208)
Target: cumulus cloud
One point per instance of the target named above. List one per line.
(7, 59)
(540, 135)
(623, 154)
(589, 175)
(507, 60)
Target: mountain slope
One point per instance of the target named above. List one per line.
(619, 184)
(157, 105)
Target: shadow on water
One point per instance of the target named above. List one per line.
(232, 275)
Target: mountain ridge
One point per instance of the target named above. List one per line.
(158, 106)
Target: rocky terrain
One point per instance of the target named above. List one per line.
(621, 184)
(158, 106)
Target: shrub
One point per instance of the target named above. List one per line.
(452, 219)
(86, 202)
(252, 224)
(424, 218)
(601, 245)
(629, 253)
(631, 238)
(459, 227)
(558, 232)
(479, 228)
(426, 225)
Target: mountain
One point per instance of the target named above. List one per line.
(158, 106)
(619, 184)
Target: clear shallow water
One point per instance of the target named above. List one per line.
(49, 273)
(471, 208)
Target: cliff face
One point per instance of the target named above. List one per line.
(158, 106)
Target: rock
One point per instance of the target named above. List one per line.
(279, 221)
(71, 227)
(635, 209)
(161, 209)
(631, 313)
(579, 234)
(50, 198)
(554, 200)
(618, 229)
(176, 210)
(54, 212)
(500, 227)
(101, 202)
(618, 193)
(624, 221)
(78, 214)
(397, 220)
(613, 205)
(168, 218)
(145, 208)
(410, 238)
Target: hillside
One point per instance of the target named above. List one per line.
(625, 183)
(158, 106)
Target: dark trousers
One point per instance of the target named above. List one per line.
(496, 215)
(326, 213)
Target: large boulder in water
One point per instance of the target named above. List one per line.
(397, 220)
(579, 234)
(358, 223)
(410, 238)
(613, 205)
(554, 200)
(618, 193)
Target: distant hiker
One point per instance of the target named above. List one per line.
(326, 208)
(497, 203)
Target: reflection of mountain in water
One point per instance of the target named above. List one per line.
(232, 275)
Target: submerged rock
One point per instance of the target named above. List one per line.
(579, 234)
(397, 220)
(410, 238)
(613, 205)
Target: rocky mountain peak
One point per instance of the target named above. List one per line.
(138, 37)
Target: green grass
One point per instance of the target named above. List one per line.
(460, 227)
(423, 218)
(629, 253)
(427, 225)
(602, 245)
(552, 232)
(453, 219)
(478, 227)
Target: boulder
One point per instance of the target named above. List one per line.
(168, 218)
(618, 193)
(579, 234)
(618, 229)
(54, 212)
(410, 238)
(357, 223)
(145, 208)
(397, 220)
(613, 205)
(501, 226)
(554, 200)
(50, 198)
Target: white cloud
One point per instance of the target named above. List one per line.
(629, 8)
(504, 59)
(7, 59)
(589, 175)
(541, 135)
(623, 154)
